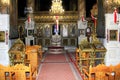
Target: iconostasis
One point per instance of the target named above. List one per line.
(68, 33)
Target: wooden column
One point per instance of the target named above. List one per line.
(81, 8)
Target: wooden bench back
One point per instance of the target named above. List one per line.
(117, 72)
(34, 55)
(22, 71)
(2, 70)
(6, 73)
(102, 72)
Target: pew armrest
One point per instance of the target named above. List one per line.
(85, 72)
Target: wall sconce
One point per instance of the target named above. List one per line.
(117, 1)
(110, 5)
(5, 2)
(5, 6)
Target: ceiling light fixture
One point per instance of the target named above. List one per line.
(56, 7)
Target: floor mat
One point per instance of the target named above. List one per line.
(57, 67)
(55, 58)
(56, 71)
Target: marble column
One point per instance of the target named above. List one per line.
(81, 8)
(37, 5)
(13, 12)
(100, 29)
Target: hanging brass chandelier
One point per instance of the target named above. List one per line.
(56, 7)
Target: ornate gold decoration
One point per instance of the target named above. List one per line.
(110, 5)
(17, 52)
(45, 17)
(95, 39)
(94, 10)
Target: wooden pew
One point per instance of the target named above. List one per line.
(23, 72)
(6, 73)
(97, 73)
(33, 55)
(77, 56)
(117, 72)
(114, 73)
(17, 72)
(102, 72)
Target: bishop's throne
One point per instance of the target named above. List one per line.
(56, 47)
(56, 40)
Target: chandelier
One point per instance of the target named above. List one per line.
(56, 7)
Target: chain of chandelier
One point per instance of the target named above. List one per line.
(56, 7)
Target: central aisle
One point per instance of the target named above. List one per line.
(57, 67)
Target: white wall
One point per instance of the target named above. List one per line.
(113, 46)
(4, 45)
(82, 25)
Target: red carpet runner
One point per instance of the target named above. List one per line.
(57, 67)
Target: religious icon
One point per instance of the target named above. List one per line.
(55, 30)
(2, 36)
(65, 30)
(88, 31)
(21, 31)
(39, 31)
(113, 35)
(81, 32)
(72, 31)
(47, 30)
(30, 32)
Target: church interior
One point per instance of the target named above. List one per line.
(59, 40)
